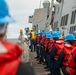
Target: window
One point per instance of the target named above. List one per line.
(72, 29)
(73, 17)
(64, 20)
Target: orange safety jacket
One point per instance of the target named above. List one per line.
(50, 44)
(71, 65)
(75, 44)
(67, 49)
(9, 58)
(59, 45)
(37, 39)
(44, 43)
(61, 39)
(42, 40)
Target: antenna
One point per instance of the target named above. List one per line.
(40, 4)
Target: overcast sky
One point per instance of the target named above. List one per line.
(20, 10)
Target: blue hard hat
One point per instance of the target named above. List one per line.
(5, 17)
(69, 37)
(55, 35)
(41, 32)
(36, 33)
(44, 34)
(49, 36)
(59, 33)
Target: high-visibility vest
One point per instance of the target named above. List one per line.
(33, 35)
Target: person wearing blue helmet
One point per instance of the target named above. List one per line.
(65, 53)
(47, 44)
(36, 44)
(41, 32)
(55, 50)
(44, 34)
(43, 39)
(42, 45)
(48, 36)
(58, 31)
(10, 62)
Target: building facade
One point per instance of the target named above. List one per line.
(65, 19)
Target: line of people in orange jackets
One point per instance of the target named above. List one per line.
(57, 52)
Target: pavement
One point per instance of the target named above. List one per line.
(38, 68)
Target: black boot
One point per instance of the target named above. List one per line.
(36, 57)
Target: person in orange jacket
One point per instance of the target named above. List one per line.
(37, 43)
(10, 63)
(71, 65)
(64, 55)
(55, 49)
(42, 47)
(48, 42)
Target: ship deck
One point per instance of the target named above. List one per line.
(38, 68)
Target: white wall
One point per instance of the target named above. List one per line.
(68, 7)
(40, 14)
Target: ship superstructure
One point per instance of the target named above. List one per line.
(42, 17)
(65, 16)
(61, 15)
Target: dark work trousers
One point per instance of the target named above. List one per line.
(48, 61)
(64, 70)
(41, 54)
(38, 51)
(32, 44)
(54, 64)
(45, 55)
(56, 69)
(50, 64)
